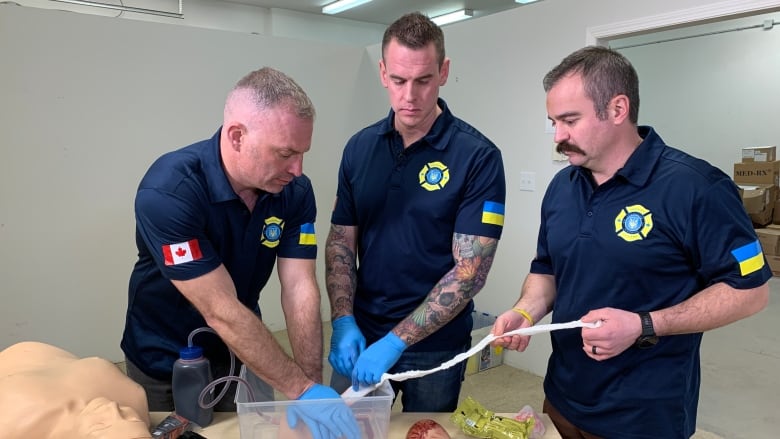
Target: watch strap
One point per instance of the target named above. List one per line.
(647, 324)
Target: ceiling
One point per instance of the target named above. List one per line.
(386, 11)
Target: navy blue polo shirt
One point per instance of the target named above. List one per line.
(666, 226)
(407, 204)
(188, 222)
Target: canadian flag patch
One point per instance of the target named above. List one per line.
(182, 252)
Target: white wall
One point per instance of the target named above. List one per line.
(235, 17)
(88, 102)
(712, 94)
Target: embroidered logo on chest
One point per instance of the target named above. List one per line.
(634, 223)
(272, 231)
(434, 176)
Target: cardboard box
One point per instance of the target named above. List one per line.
(759, 201)
(489, 356)
(759, 154)
(763, 218)
(770, 240)
(754, 198)
(774, 264)
(756, 173)
(757, 197)
(776, 213)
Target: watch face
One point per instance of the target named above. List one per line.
(648, 341)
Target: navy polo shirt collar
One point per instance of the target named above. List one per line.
(220, 189)
(640, 164)
(438, 136)
(218, 184)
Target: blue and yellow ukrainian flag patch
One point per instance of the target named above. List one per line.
(308, 237)
(750, 258)
(493, 213)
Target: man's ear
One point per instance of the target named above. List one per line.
(444, 72)
(619, 108)
(383, 73)
(235, 133)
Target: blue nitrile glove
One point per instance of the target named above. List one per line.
(346, 345)
(326, 419)
(376, 360)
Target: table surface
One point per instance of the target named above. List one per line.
(225, 425)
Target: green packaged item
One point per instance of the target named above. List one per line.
(477, 421)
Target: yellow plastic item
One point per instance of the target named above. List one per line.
(477, 421)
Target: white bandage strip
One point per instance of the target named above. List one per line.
(538, 329)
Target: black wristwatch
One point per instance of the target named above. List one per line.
(648, 338)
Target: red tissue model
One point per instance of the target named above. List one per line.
(427, 429)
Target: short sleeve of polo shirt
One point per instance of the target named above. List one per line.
(298, 236)
(481, 211)
(173, 227)
(344, 208)
(541, 264)
(723, 242)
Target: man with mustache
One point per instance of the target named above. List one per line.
(642, 237)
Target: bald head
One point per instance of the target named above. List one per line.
(267, 128)
(265, 89)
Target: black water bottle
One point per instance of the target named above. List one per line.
(191, 374)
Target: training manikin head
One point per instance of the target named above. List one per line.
(49, 393)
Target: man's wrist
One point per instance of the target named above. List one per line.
(344, 319)
(526, 315)
(395, 341)
(307, 386)
(648, 337)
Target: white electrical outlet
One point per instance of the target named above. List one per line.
(527, 181)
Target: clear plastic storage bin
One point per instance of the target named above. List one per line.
(263, 420)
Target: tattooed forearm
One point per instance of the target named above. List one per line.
(340, 269)
(470, 246)
(473, 259)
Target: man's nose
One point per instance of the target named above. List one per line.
(296, 167)
(409, 91)
(561, 133)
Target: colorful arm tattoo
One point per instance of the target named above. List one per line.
(473, 258)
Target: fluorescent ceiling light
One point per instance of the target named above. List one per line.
(525, 2)
(123, 8)
(453, 17)
(341, 6)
